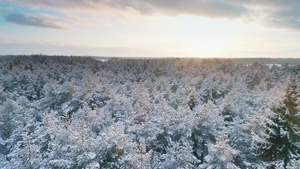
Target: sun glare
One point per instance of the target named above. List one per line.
(205, 36)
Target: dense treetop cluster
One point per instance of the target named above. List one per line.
(78, 112)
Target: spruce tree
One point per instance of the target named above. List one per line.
(279, 145)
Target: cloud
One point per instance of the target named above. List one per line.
(283, 14)
(209, 8)
(272, 13)
(292, 23)
(43, 21)
(287, 19)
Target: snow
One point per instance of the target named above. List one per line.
(166, 113)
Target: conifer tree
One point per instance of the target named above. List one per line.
(279, 146)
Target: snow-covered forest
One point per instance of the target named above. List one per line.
(77, 112)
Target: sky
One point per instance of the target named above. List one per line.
(151, 28)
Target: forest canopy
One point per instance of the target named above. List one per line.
(80, 112)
